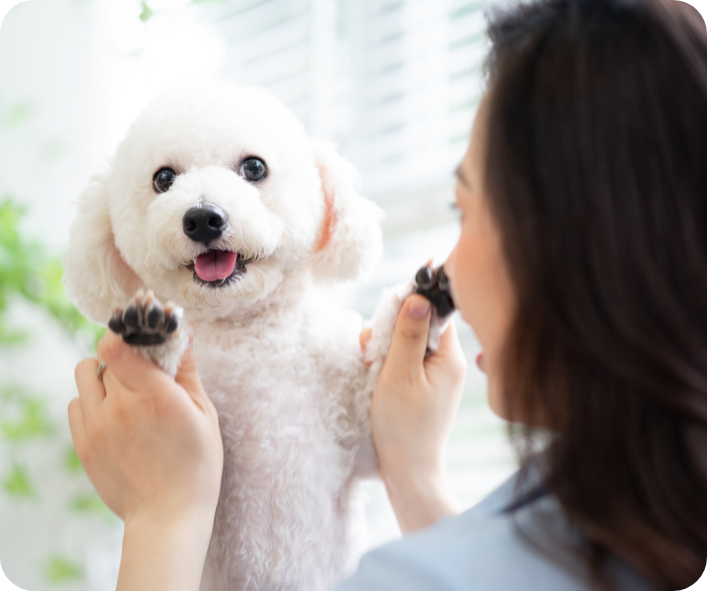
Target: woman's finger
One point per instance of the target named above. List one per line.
(127, 366)
(77, 426)
(407, 349)
(91, 390)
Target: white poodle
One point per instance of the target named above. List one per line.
(219, 202)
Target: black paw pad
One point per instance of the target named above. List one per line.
(155, 317)
(172, 324)
(116, 323)
(144, 339)
(144, 321)
(132, 317)
(434, 285)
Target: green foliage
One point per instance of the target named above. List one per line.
(72, 463)
(146, 13)
(60, 569)
(27, 271)
(31, 274)
(18, 484)
(15, 115)
(91, 504)
(23, 416)
(9, 337)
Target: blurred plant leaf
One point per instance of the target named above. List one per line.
(72, 462)
(30, 417)
(26, 270)
(92, 504)
(14, 115)
(146, 13)
(61, 570)
(9, 337)
(18, 484)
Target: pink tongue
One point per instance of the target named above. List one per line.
(215, 264)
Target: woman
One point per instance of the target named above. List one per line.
(582, 268)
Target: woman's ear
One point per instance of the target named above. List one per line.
(350, 239)
(96, 277)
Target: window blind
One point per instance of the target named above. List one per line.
(394, 83)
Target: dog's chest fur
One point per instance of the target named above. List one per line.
(284, 384)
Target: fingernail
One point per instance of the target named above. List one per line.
(419, 308)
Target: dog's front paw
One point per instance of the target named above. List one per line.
(383, 325)
(145, 321)
(153, 329)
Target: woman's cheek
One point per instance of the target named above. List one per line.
(452, 266)
(464, 285)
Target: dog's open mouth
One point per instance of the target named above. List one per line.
(219, 267)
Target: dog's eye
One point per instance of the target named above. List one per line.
(163, 179)
(253, 169)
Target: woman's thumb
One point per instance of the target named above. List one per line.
(407, 349)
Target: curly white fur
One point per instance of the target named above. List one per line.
(281, 363)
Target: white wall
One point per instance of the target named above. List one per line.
(84, 69)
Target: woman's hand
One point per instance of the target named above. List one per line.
(152, 448)
(412, 411)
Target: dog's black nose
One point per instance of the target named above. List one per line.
(204, 224)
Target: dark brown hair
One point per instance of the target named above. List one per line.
(597, 177)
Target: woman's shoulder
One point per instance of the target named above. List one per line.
(489, 547)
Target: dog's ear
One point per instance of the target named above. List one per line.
(95, 275)
(350, 239)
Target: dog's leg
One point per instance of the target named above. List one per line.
(383, 323)
(382, 326)
(437, 327)
(155, 330)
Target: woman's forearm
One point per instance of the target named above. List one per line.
(412, 412)
(161, 554)
(419, 500)
(152, 447)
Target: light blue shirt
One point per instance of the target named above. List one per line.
(485, 549)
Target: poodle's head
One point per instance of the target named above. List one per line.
(216, 198)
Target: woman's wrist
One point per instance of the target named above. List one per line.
(160, 552)
(419, 497)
